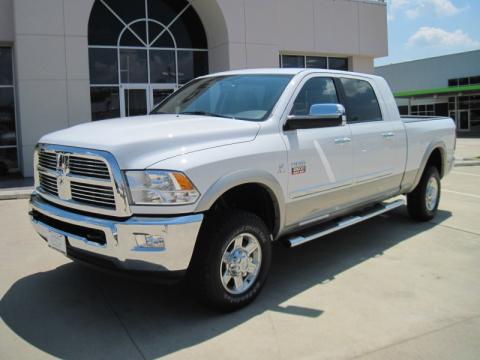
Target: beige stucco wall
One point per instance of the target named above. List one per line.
(51, 48)
(258, 30)
(52, 68)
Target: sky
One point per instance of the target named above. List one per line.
(419, 29)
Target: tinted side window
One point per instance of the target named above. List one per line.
(361, 101)
(319, 90)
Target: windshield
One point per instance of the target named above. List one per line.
(246, 97)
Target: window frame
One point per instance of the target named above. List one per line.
(293, 55)
(316, 57)
(148, 45)
(453, 82)
(337, 58)
(338, 86)
(296, 92)
(281, 55)
(13, 86)
(303, 86)
(92, 103)
(474, 80)
(343, 98)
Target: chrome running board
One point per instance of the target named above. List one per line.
(343, 223)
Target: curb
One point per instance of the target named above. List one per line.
(467, 163)
(15, 194)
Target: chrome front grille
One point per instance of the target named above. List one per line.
(83, 179)
(93, 194)
(49, 184)
(88, 167)
(48, 160)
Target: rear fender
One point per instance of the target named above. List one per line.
(433, 146)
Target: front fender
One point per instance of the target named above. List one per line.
(241, 177)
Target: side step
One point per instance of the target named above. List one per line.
(345, 222)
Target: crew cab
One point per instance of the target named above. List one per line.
(229, 164)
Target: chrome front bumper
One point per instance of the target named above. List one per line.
(121, 247)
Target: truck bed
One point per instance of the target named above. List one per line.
(410, 118)
(423, 133)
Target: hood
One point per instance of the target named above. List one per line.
(138, 142)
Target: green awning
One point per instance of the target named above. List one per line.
(437, 91)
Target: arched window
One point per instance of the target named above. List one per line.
(141, 51)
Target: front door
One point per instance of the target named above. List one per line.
(138, 100)
(319, 158)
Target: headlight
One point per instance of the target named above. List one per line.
(158, 187)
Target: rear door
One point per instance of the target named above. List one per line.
(320, 158)
(378, 149)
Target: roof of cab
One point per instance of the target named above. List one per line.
(288, 71)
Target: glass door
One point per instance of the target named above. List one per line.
(138, 100)
(464, 120)
(134, 100)
(9, 166)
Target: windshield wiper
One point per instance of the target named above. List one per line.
(206, 113)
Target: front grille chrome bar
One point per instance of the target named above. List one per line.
(82, 179)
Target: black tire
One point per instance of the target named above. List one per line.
(216, 235)
(417, 205)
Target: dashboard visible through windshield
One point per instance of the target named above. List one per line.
(245, 97)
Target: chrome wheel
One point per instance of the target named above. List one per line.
(241, 263)
(431, 194)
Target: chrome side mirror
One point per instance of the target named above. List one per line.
(327, 110)
(320, 115)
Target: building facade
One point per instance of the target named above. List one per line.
(440, 86)
(66, 62)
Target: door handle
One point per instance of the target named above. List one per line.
(343, 140)
(388, 135)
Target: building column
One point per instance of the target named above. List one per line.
(51, 51)
(362, 64)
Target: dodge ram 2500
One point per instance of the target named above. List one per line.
(230, 163)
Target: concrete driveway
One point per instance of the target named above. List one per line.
(389, 288)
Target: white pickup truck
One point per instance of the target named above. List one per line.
(227, 165)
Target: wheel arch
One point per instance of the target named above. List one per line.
(239, 180)
(435, 155)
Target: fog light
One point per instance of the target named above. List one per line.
(150, 242)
